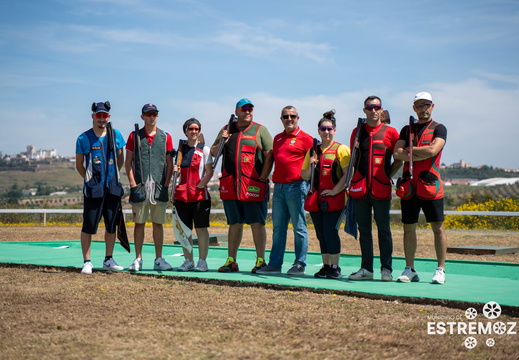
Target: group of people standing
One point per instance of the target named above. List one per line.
(309, 175)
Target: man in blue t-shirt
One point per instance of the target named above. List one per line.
(102, 190)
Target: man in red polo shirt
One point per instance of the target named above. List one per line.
(289, 149)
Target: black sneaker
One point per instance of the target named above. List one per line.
(323, 272)
(334, 273)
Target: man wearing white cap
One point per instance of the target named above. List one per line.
(422, 186)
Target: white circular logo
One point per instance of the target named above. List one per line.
(491, 310)
(490, 342)
(470, 342)
(471, 313)
(499, 328)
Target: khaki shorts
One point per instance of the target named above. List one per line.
(157, 212)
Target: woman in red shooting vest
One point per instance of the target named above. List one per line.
(327, 196)
(192, 200)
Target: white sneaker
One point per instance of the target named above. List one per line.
(201, 266)
(362, 274)
(111, 265)
(409, 275)
(161, 264)
(439, 276)
(386, 275)
(87, 268)
(188, 265)
(136, 265)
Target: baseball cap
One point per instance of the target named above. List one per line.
(101, 107)
(244, 102)
(423, 96)
(149, 107)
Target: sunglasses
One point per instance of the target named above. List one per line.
(247, 108)
(424, 106)
(151, 114)
(102, 115)
(193, 128)
(324, 128)
(291, 116)
(373, 107)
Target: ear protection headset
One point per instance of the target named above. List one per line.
(106, 104)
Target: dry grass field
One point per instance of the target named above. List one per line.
(49, 313)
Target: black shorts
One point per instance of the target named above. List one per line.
(194, 212)
(107, 207)
(432, 209)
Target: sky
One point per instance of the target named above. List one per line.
(196, 58)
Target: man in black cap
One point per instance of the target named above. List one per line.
(149, 170)
(95, 162)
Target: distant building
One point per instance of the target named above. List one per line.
(460, 165)
(33, 154)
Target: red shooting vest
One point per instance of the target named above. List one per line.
(375, 180)
(427, 182)
(328, 173)
(190, 176)
(242, 164)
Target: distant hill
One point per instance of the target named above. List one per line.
(484, 172)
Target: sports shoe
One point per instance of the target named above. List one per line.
(229, 266)
(136, 265)
(439, 276)
(362, 274)
(334, 272)
(188, 265)
(268, 270)
(201, 266)
(161, 264)
(409, 275)
(386, 275)
(297, 269)
(87, 268)
(110, 264)
(260, 264)
(323, 272)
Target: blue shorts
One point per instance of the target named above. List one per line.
(107, 207)
(241, 212)
(432, 209)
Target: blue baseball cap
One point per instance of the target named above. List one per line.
(244, 102)
(149, 107)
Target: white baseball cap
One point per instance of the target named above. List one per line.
(423, 96)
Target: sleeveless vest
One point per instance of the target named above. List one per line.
(327, 174)
(242, 165)
(101, 177)
(426, 182)
(154, 154)
(372, 176)
(191, 172)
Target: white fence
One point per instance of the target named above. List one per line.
(220, 211)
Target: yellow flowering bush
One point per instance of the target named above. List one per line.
(482, 222)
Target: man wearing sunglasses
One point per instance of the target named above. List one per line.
(102, 190)
(246, 165)
(289, 150)
(429, 138)
(371, 188)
